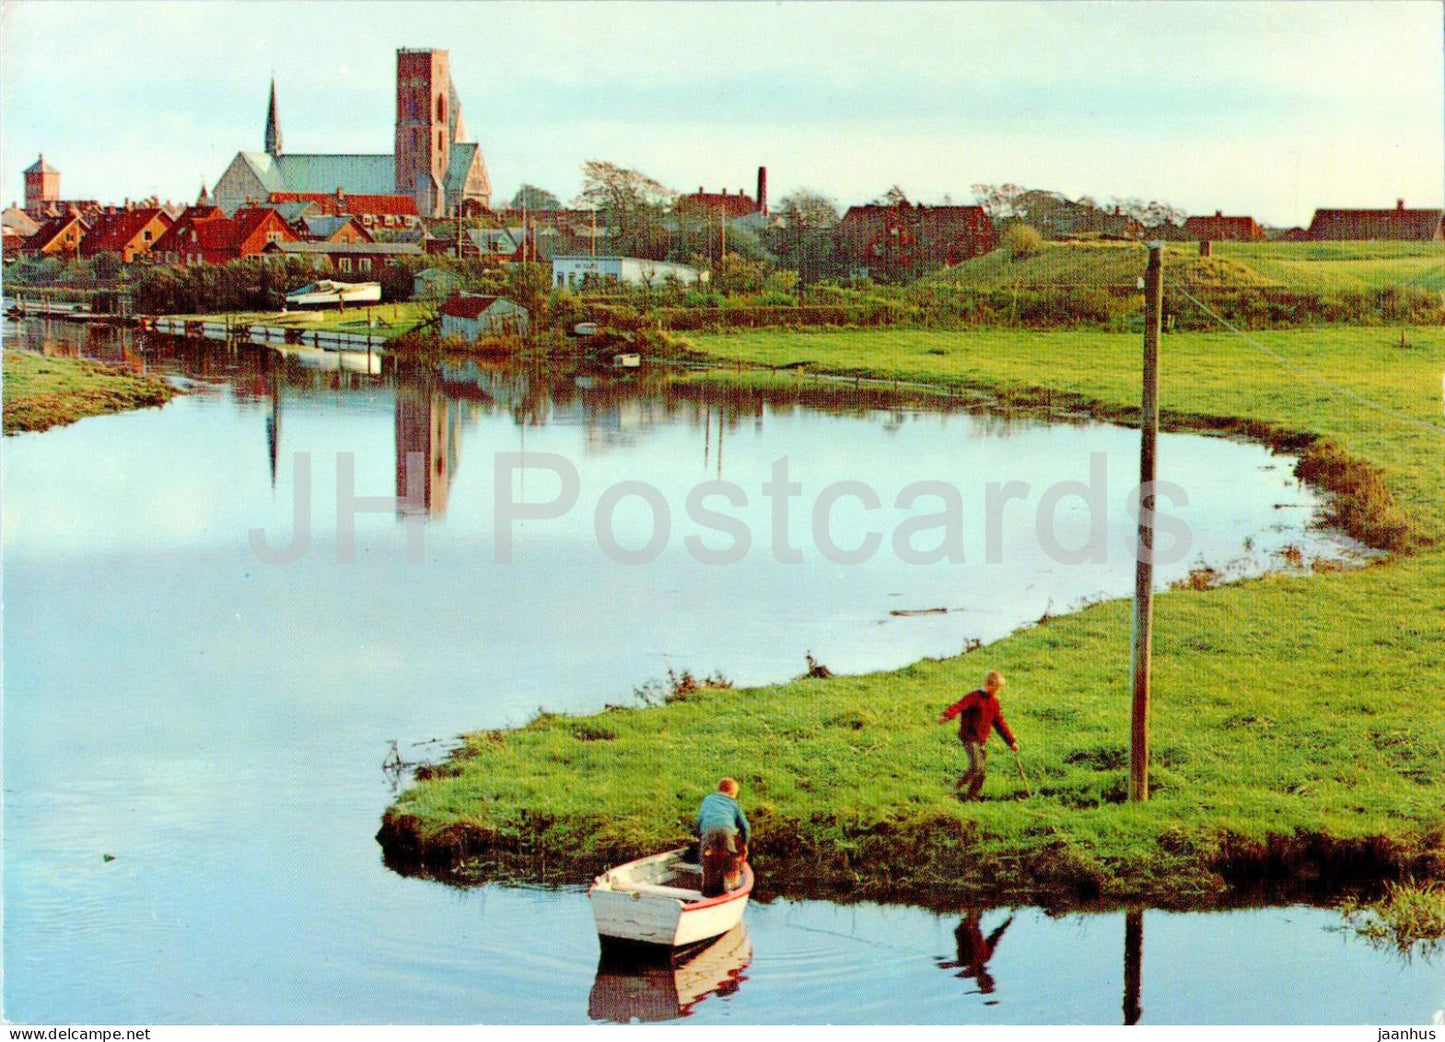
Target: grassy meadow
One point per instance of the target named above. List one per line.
(1322, 267)
(42, 392)
(1298, 722)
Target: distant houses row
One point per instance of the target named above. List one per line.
(360, 234)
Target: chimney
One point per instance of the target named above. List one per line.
(699, 189)
(1218, 214)
(763, 190)
(1399, 204)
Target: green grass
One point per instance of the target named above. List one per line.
(393, 320)
(1321, 267)
(1297, 721)
(1409, 915)
(45, 392)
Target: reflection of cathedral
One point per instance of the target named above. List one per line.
(427, 426)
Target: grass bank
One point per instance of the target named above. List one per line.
(392, 320)
(45, 392)
(1297, 721)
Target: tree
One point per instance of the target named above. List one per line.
(806, 238)
(1000, 201)
(895, 196)
(633, 205)
(533, 198)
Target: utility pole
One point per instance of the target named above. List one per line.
(1144, 567)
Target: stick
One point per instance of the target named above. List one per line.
(1018, 759)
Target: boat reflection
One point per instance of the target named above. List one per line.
(636, 988)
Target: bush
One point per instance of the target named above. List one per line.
(1022, 240)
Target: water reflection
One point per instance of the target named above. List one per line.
(1133, 965)
(627, 990)
(975, 950)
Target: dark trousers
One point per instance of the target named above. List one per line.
(977, 766)
(721, 868)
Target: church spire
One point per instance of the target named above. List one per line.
(273, 125)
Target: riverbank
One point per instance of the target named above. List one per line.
(45, 392)
(1296, 719)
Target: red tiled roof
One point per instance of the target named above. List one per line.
(49, 231)
(402, 205)
(738, 205)
(1398, 223)
(1235, 229)
(112, 232)
(467, 307)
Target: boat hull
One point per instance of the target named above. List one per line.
(649, 915)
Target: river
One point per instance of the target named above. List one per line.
(193, 734)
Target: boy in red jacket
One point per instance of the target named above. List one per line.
(978, 712)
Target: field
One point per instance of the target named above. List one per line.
(1297, 720)
(1320, 267)
(46, 392)
(393, 320)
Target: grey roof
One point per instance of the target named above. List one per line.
(292, 212)
(324, 227)
(40, 166)
(459, 163)
(396, 249)
(358, 175)
(264, 167)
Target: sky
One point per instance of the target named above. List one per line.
(1261, 109)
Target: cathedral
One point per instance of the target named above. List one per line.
(433, 162)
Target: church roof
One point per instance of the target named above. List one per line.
(459, 164)
(356, 175)
(40, 166)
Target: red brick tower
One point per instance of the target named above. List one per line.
(42, 184)
(423, 137)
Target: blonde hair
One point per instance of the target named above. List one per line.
(994, 679)
(727, 787)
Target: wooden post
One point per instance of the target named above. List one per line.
(1144, 567)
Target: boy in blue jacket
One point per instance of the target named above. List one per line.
(723, 835)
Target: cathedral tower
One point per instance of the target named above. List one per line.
(425, 126)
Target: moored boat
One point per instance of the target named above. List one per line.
(658, 900)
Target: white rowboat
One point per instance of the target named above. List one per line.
(658, 900)
(328, 292)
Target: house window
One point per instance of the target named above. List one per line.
(345, 264)
(441, 109)
(365, 264)
(440, 146)
(273, 237)
(146, 235)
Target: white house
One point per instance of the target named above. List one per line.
(569, 271)
(473, 317)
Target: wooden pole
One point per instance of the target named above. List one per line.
(1144, 568)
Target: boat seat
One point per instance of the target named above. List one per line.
(656, 890)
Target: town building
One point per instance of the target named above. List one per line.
(1220, 228)
(205, 235)
(1399, 223)
(340, 228)
(42, 185)
(16, 221)
(471, 317)
(894, 240)
(373, 212)
(58, 236)
(732, 205)
(572, 271)
(128, 233)
(366, 259)
(433, 161)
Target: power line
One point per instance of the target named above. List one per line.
(1296, 367)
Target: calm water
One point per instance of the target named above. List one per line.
(216, 724)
